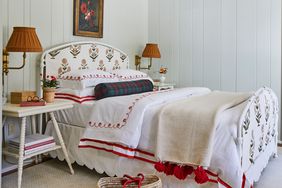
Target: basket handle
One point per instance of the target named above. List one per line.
(130, 179)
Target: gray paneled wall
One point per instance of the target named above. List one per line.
(232, 45)
(125, 27)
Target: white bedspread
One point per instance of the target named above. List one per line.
(120, 119)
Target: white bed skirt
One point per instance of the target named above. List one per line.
(104, 162)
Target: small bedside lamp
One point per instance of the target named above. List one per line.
(23, 39)
(150, 51)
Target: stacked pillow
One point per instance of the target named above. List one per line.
(81, 85)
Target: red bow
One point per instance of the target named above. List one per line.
(129, 180)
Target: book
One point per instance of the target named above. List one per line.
(14, 149)
(31, 140)
(32, 103)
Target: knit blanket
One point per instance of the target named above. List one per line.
(187, 127)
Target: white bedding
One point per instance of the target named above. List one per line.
(225, 159)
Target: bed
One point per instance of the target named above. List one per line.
(244, 141)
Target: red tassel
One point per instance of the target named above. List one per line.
(169, 168)
(160, 167)
(201, 175)
(182, 172)
(179, 173)
(187, 170)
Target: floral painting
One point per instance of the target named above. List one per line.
(88, 18)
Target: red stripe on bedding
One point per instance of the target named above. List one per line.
(117, 145)
(119, 154)
(77, 101)
(75, 96)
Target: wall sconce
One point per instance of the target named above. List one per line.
(150, 51)
(23, 39)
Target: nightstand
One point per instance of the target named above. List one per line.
(158, 86)
(14, 110)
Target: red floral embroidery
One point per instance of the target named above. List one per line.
(124, 120)
(84, 77)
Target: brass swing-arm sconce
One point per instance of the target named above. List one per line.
(150, 51)
(23, 39)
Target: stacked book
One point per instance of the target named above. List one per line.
(33, 143)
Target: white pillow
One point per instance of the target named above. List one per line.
(130, 75)
(81, 79)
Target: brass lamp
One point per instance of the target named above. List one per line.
(150, 51)
(23, 39)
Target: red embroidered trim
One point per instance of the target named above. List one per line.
(131, 77)
(126, 116)
(84, 77)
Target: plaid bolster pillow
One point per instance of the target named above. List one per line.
(104, 90)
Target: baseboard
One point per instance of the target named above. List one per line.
(279, 143)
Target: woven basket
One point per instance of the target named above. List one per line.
(150, 181)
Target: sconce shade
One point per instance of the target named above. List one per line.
(152, 51)
(24, 39)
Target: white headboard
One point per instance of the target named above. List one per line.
(81, 55)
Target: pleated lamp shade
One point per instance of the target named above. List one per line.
(152, 51)
(24, 39)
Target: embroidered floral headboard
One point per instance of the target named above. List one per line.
(82, 55)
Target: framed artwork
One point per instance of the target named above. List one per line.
(88, 18)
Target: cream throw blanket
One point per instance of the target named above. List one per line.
(186, 128)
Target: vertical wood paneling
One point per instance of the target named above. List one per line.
(174, 64)
(228, 48)
(197, 42)
(275, 53)
(15, 77)
(223, 44)
(185, 44)
(165, 37)
(212, 43)
(26, 71)
(153, 33)
(246, 45)
(263, 43)
(57, 18)
(5, 23)
(44, 32)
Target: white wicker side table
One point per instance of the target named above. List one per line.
(13, 110)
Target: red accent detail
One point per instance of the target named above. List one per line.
(117, 145)
(75, 96)
(39, 144)
(160, 167)
(77, 101)
(119, 154)
(169, 168)
(243, 181)
(201, 175)
(219, 180)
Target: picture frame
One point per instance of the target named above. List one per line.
(88, 18)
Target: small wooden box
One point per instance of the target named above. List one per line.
(19, 96)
